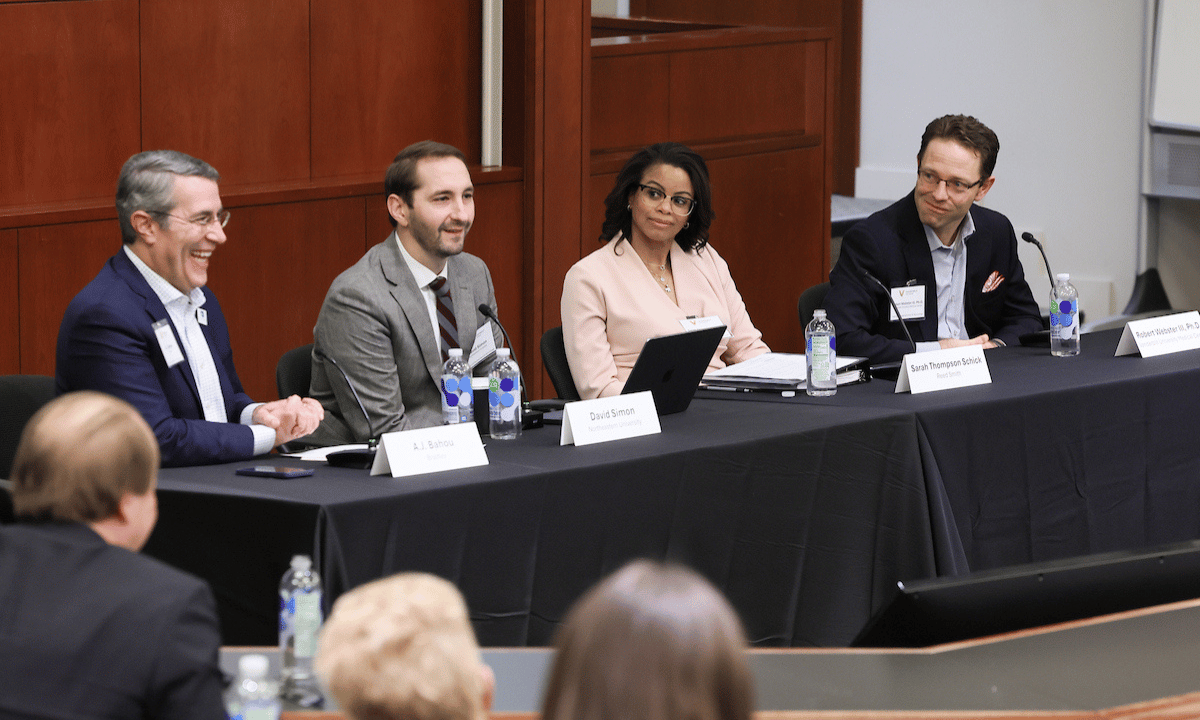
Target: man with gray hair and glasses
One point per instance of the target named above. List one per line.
(148, 331)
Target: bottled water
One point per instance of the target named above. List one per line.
(254, 697)
(457, 394)
(820, 355)
(1064, 317)
(299, 624)
(504, 397)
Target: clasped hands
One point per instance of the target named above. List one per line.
(983, 340)
(290, 418)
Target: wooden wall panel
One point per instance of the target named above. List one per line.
(726, 92)
(772, 237)
(227, 81)
(68, 98)
(387, 74)
(56, 261)
(272, 274)
(10, 307)
(496, 237)
(615, 122)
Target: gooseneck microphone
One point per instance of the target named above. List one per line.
(1029, 238)
(867, 274)
(358, 458)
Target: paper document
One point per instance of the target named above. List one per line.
(773, 370)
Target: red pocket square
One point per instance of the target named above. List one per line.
(993, 281)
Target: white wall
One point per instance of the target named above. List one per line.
(1061, 83)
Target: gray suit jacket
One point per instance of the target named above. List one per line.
(375, 324)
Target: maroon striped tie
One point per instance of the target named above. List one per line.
(445, 316)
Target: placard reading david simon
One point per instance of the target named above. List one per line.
(943, 370)
(611, 418)
(1161, 335)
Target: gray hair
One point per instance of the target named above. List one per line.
(147, 182)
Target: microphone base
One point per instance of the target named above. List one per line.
(886, 371)
(354, 459)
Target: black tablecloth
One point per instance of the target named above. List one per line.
(804, 517)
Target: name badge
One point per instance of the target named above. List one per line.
(426, 450)
(1161, 335)
(612, 418)
(484, 346)
(166, 342)
(943, 370)
(911, 301)
(202, 316)
(703, 323)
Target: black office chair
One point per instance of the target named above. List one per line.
(554, 358)
(293, 373)
(20, 397)
(810, 300)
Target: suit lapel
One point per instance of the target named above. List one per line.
(412, 305)
(920, 266)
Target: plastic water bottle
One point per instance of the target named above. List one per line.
(254, 697)
(1064, 317)
(820, 355)
(299, 624)
(457, 395)
(504, 397)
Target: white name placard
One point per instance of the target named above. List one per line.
(943, 370)
(413, 452)
(611, 418)
(1161, 335)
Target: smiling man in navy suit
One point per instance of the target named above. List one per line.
(148, 331)
(955, 262)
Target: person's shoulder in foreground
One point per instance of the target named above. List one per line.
(388, 322)
(92, 628)
(402, 648)
(147, 330)
(982, 300)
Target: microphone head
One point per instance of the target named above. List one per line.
(1029, 238)
(487, 311)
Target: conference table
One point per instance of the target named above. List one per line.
(804, 511)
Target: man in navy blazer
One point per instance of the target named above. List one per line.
(956, 262)
(91, 628)
(147, 330)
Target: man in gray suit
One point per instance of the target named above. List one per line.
(388, 321)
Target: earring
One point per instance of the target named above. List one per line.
(687, 225)
(628, 206)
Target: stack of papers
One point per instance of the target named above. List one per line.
(782, 371)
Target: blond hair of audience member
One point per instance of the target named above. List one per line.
(651, 642)
(403, 647)
(90, 458)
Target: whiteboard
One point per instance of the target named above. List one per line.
(1177, 65)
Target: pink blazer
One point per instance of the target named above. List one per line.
(611, 305)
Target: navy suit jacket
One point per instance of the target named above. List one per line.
(90, 630)
(106, 342)
(891, 245)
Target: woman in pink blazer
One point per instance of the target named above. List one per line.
(655, 275)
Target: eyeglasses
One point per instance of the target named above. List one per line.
(680, 204)
(930, 181)
(205, 219)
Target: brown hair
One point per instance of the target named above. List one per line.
(79, 455)
(968, 132)
(402, 647)
(401, 176)
(651, 642)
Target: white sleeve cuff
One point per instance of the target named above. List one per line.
(264, 437)
(928, 346)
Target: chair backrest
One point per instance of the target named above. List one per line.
(20, 397)
(810, 300)
(293, 373)
(554, 358)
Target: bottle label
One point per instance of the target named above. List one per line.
(260, 710)
(1062, 317)
(504, 396)
(820, 356)
(306, 622)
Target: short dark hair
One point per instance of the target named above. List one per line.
(147, 182)
(968, 132)
(619, 218)
(401, 176)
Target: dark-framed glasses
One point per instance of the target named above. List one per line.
(680, 204)
(203, 220)
(929, 181)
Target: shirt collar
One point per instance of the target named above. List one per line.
(420, 273)
(166, 292)
(965, 230)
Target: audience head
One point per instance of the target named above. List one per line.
(147, 183)
(968, 132)
(402, 178)
(651, 642)
(403, 647)
(618, 206)
(89, 458)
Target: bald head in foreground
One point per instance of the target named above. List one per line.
(91, 628)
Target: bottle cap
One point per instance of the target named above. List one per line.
(301, 562)
(502, 352)
(455, 352)
(253, 666)
(1063, 277)
(819, 313)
